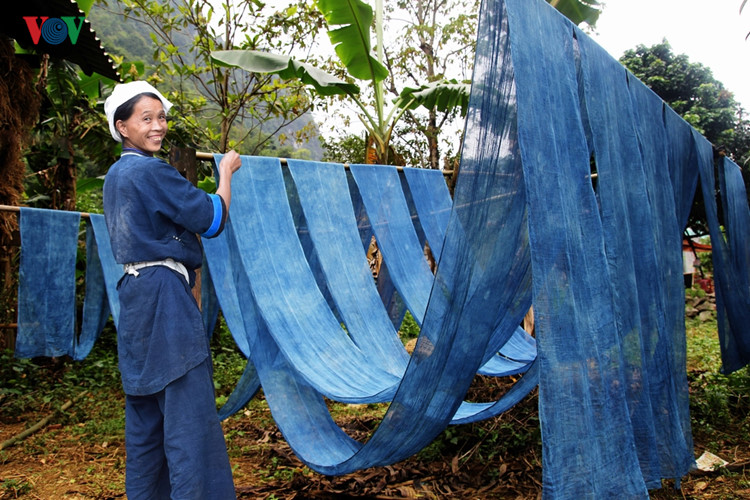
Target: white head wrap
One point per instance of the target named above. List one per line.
(124, 92)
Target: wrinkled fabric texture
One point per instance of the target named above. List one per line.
(111, 270)
(611, 389)
(46, 298)
(46, 283)
(730, 256)
(153, 213)
(96, 309)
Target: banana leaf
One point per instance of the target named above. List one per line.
(351, 40)
(444, 95)
(287, 68)
(578, 11)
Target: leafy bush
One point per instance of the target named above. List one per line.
(228, 360)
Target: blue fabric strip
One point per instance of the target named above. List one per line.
(46, 289)
(681, 163)
(433, 203)
(389, 215)
(112, 271)
(583, 406)
(730, 280)
(629, 232)
(324, 196)
(289, 301)
(217, 222)
(95, 307)
(669, 393)
(734, 308)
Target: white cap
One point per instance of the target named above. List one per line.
(123, 93)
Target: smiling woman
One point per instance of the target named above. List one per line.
(174, 442)
(146, 126)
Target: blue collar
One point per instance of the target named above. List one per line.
(134, 151)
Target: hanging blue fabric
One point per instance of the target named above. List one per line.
(433, 204)
(487, 271)
(734, 311)
(389, 215)
(323, 194)
(582, 399)
(288, 298)
(730, 280)
(629, 234)
(654, 140)
(222, 272)
(112, 271)
(681, 154)
(47, 304)
(95, 307)
(46, 283)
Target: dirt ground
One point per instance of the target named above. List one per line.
(67, 460)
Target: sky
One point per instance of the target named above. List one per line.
(710, 32)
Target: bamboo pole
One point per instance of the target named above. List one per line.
(202, 155)
(15, 209)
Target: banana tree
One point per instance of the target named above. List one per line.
(349, 23)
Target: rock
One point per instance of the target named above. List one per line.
(705, 315)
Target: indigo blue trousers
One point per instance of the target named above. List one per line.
(174, 442)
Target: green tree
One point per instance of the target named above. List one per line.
(71, 140)
(349, 148)
(692, 91)
(217, 107)
(689, 88)
(349, 29)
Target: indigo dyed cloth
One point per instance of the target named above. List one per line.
(730, 256)
(111, 270)
(612, 387)
(46, 283)
(47, 302)
(268, 310)
(95, 306)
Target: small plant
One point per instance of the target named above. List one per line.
(228, 361)
(409, 328)
(15, 488)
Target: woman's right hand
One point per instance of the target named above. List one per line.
(230, 163)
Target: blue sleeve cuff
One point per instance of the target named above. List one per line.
(220, 215)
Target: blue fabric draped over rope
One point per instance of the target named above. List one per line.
(730, 256)
(600, 255)
(47, 290)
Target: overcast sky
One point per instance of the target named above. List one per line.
(710, 32)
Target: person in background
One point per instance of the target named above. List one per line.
(173, 438)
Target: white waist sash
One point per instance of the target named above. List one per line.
(132, 268)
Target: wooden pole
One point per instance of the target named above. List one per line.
(202, 155)
(15, 209)
(184, 160)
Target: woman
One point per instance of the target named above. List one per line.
(173, 439)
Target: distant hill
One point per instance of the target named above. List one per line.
(131, 39)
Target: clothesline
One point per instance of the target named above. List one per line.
(15, 209)
(202, 155)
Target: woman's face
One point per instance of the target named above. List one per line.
(146, 127)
